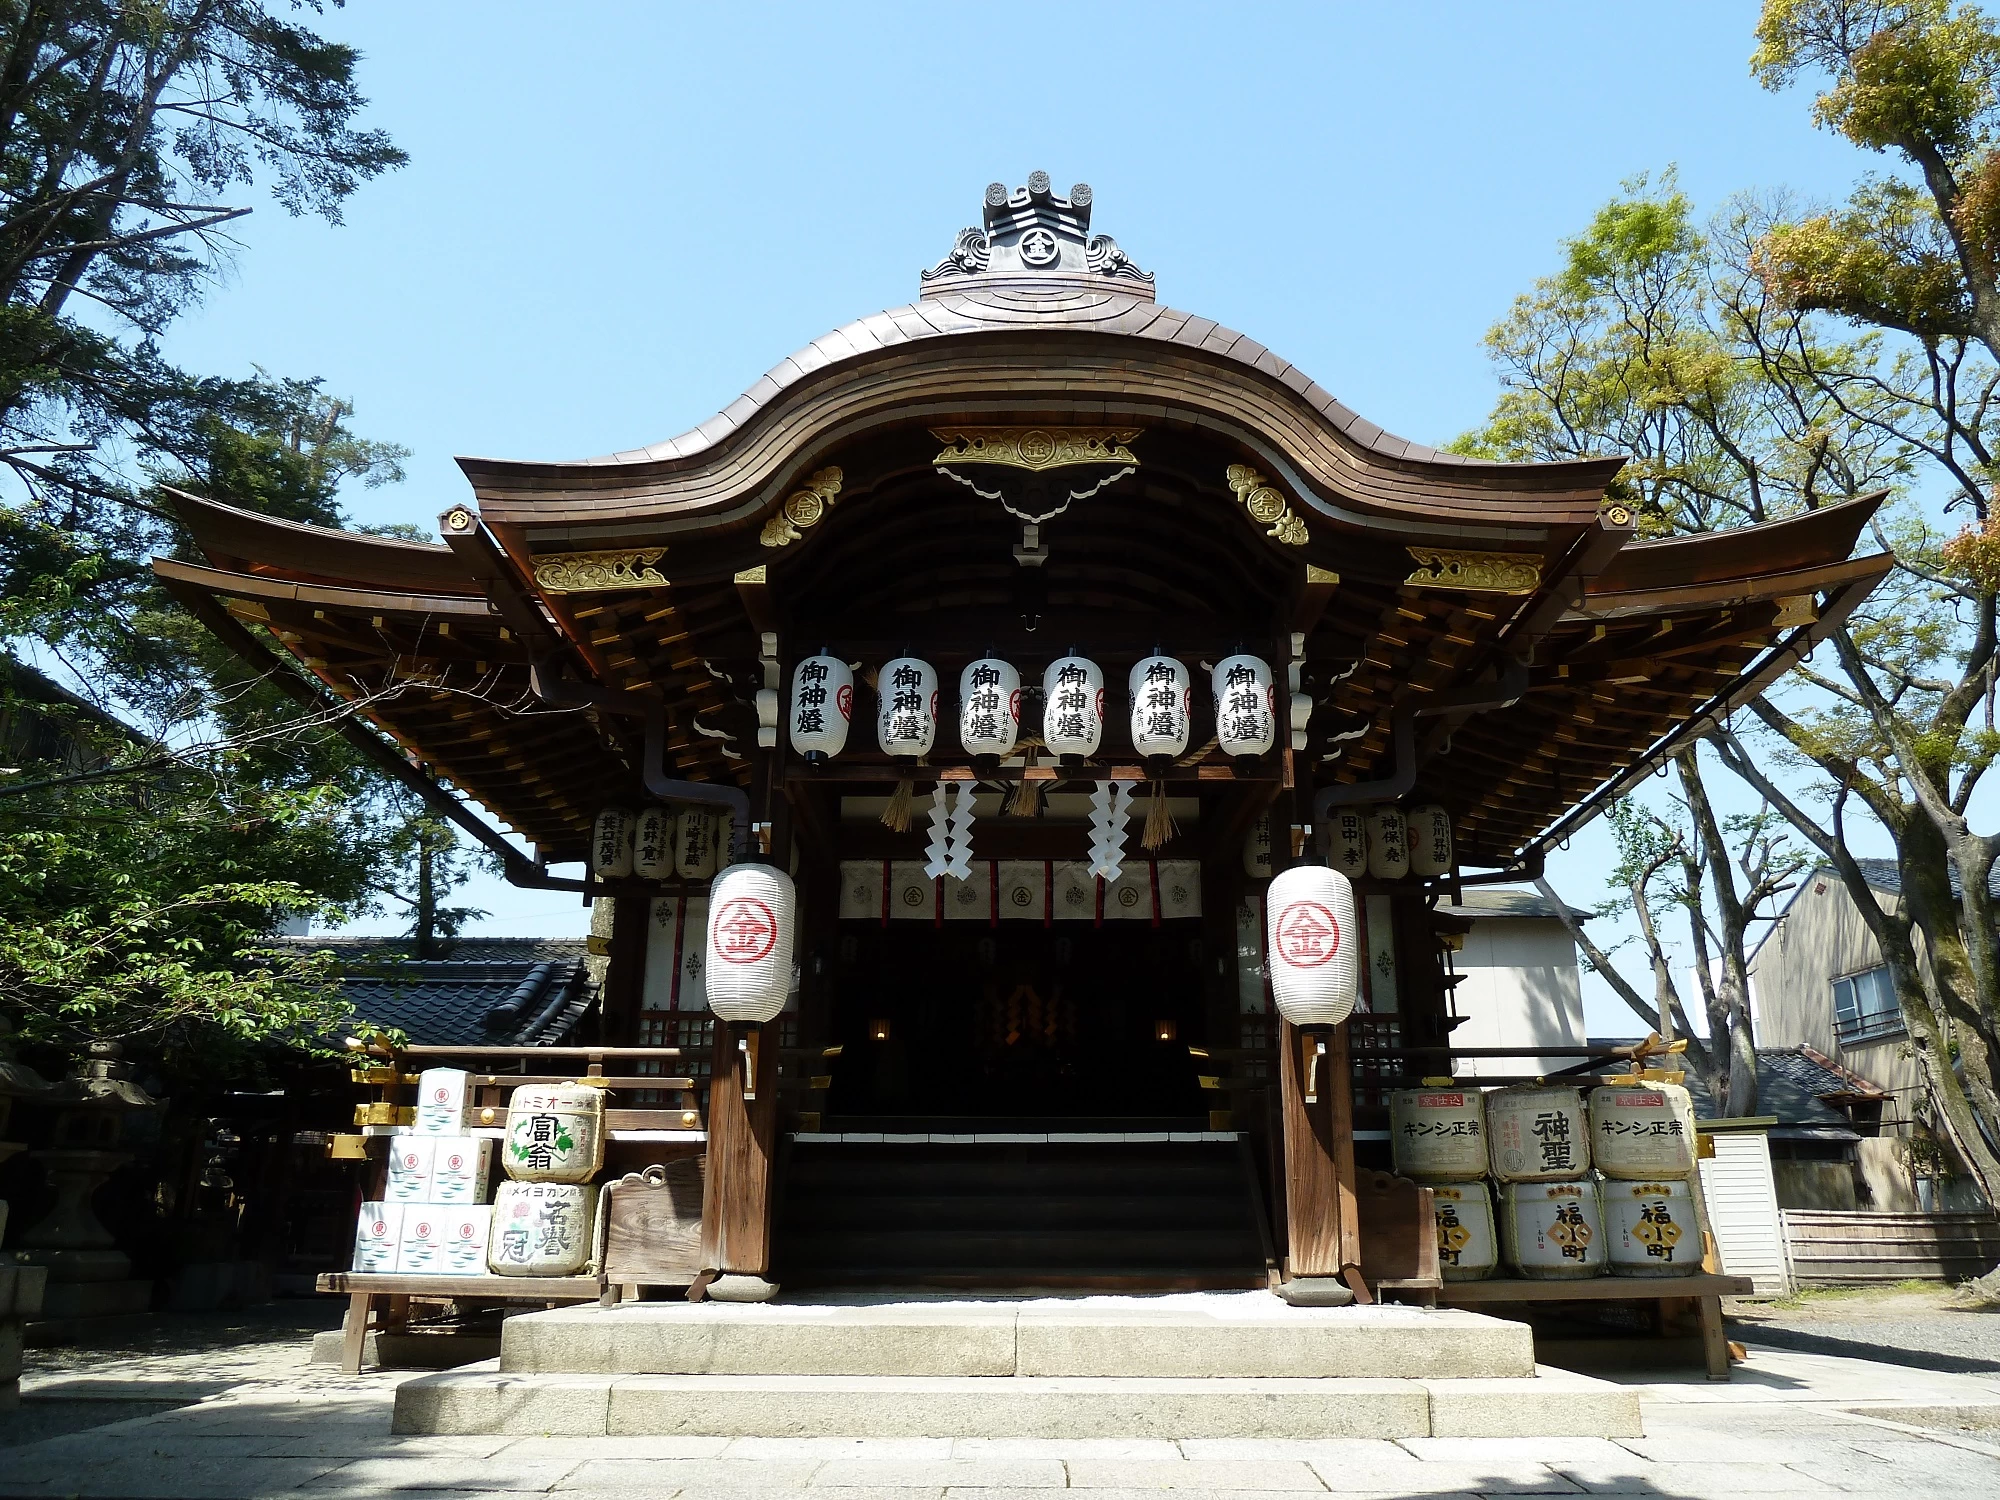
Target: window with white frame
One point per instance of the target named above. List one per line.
(1865, 1007)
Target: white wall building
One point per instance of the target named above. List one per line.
(1519, 985)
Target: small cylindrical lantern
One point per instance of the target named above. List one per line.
(906, 721)
(1246, 718)
(989, 708)
(749, 969)
(653, 844)
(822, 707)
(1160, 701)
(611, 844)
(1302, 712)
(1309, 939)
(695, 841)
(1347, 842)
(1388, 842)
(1430, 842)
(1072, 708)
(1257, 849)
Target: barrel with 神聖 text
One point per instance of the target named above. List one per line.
(1537, 1134)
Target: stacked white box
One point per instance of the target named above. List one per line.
(442, 1108)
(420, 1248)
(465, 1230)
(411, 1159)
(461, 1169)
(376, 1235)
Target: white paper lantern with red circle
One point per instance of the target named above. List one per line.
(1160, 702)
(750, 927)
(653, 844)
(906, 713)
(822, 707)
(1073, 707)
(1430, 842)
(611, 844)
(1246, 716)
(989, 707)
(1310, 945)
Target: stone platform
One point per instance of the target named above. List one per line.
(1207, 1365)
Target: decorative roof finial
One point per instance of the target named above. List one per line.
(1031, 234)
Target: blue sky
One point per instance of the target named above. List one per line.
(617, 216)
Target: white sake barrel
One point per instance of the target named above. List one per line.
(1537, 1134)
(540, 1229)
(1652, 1228)
(1641, 1132)
(1553, 1231)
(1438, 1134)
(555, 1133)
(1468, 1246)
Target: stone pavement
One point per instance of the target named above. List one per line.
(1790, 1424)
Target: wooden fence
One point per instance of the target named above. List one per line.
(1830, 1248)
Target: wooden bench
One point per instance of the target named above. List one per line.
(1701, 1293)
(380, 1300)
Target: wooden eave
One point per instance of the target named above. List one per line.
(1102, 361)
(245, 541)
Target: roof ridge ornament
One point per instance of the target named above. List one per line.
(1031, 234)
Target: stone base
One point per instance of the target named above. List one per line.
(64, 1300)
(1549, 1404)
(1191, 1335)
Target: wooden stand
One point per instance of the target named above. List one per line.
(1322, 1228)
(380, 1301)
(1673, 1294)
(742, 1139)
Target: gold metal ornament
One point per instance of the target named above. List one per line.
(597, 572)
(802, 509)
(1617, 513)
(1037, 448)
(1266, 505)
(1479, 572)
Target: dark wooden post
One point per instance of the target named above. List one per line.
(625, 970)
(1322, 1233)
(742, 1140)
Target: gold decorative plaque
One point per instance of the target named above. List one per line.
(1481, 572)
(1037, 447)
(596, 572)
(1267, 505)
(802, 509)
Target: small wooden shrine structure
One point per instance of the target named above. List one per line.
(1035, 457)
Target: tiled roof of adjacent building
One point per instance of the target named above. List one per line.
(1886, 876)
(1795, 1084)
(510, 992)
(1484, 903)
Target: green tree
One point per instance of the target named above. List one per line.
(1674, 342)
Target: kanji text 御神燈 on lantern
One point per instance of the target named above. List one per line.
(1246, 720)
(1072, 708)
(989, 708)
(906, 720)
(822, 706)
(1160, 702)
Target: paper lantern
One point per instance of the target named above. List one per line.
(750, 925)
(1430, 842)
(822, 706)
(1072, 708)
(611, 844)
(1257, 849)
(906, 721)
(1310, 939)
(1388, 842)
(1347, 842)
(697, 835)
(653, 844)
(1246, 718)
(989, 708)
(1160, 702)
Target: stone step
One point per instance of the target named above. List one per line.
(1202, 1335)
(1551, 1403)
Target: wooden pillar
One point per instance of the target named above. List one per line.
(742, 1141)
(625, 972)
(1322, 1232)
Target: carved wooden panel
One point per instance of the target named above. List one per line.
(653, 1227)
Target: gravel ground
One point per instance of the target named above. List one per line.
(1919, 1327)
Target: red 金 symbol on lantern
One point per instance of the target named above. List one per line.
(1014, 705)
(844, 700)
(1307, 935)
(745, 930)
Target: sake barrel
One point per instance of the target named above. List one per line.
(1537, 1134)
(540, 1229)
(555, 1133)
(1553, 1231)
(1652, 1228)
(1468, 1247)
(1639, 1132)
(1438, 1134)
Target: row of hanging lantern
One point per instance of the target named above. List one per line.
(989, 696)
(1380, 841)
(658, 843)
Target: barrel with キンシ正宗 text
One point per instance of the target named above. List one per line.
(1438, 1134)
